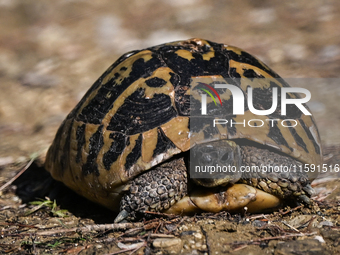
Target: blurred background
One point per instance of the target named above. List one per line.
(51, 52)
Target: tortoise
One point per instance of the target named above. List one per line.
(128, 143)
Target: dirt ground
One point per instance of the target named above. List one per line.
(52, 51)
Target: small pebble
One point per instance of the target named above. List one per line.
(128, 246)
(183, 228)
(171, 227)
(258, 223)
(187, 233)
(194, 252)
(320, 239)
(166, 242)
(326, 223)
(198, 235)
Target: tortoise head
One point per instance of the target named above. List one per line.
(215, 163)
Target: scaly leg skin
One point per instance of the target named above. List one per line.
(164, 188)
(283, 184)
(155, 190)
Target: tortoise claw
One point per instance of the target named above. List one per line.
(309, 190)
(122, 215)
(305, 199)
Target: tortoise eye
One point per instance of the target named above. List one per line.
(227, 156)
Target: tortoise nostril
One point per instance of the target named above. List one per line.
(206, 158)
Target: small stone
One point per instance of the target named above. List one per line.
(194, 252)
(319, 238)
(192, 241)
(299, 220)
(128, 246)
(188, 233)
(183, 228)
(171, 227)
(166, 242)
(326, 223)
(259, 224)
(198, 235)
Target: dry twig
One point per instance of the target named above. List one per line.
(133, 249)
(171, 216)
(206, 240)
(291, 227)
(96, 227)
(292, 210)
(17, 175)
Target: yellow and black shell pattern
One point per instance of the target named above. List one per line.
(137, 115)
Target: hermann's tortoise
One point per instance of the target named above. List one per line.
(128, 143)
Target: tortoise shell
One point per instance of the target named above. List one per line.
(137, 115)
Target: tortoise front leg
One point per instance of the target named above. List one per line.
(155, 190)
(281, 177)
